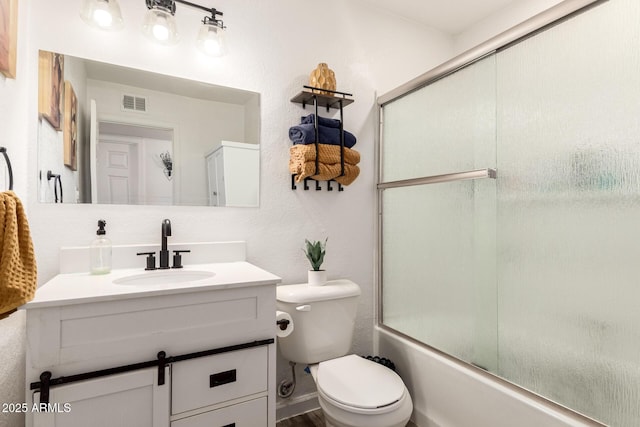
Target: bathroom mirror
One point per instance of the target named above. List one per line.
(116, 135)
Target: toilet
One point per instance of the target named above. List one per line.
(352, 391)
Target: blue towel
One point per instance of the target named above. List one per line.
(306, 134)
(322, 121)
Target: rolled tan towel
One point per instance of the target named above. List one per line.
(325, 171)
(329, 154)
(18, 272)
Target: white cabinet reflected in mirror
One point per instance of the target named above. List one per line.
(230, 167)
(114, 135)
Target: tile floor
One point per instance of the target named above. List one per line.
(311, 419)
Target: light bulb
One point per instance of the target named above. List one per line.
(160, 31)
(102, 17)
(211, 40)
(160, 26)
(211, 47)
(103, 14)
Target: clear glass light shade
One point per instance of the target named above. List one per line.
(160, 26)
(103, 14)
(211, 40)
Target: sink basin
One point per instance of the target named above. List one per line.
(165, 277)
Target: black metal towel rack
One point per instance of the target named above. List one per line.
(3, 150)
(328, 101)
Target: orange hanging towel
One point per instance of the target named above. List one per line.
(18, 272)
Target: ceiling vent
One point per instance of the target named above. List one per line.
(134, 103)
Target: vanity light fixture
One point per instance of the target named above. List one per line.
(159, 22)
(102, 14)
(160, 26)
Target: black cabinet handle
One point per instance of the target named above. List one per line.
(230, 425)
(222, 378)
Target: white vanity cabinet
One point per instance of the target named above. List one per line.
(219, 350)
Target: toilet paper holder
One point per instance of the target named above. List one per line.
(283, 324)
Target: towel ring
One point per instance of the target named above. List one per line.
(3, 150)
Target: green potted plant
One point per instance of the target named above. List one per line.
(315, 252)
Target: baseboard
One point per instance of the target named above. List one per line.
(421, 420)
(297, 405)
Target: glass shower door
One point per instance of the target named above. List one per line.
(534, 276)
(569, 213)
(438, 234)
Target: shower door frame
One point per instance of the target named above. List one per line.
(540, 22)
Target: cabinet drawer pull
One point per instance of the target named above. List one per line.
(222, 378)
(230, 425)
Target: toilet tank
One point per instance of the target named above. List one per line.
(323, 320)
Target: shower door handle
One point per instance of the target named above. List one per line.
(435, 179)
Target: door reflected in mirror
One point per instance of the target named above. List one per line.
(144, 138)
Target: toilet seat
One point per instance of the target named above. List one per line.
(360, 385)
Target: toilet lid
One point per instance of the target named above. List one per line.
(358, 382)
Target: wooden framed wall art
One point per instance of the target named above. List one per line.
(70, 132)
(8, 37)
(50, 87)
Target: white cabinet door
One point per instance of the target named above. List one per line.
(132, 399)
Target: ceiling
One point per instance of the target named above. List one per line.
(449, 16)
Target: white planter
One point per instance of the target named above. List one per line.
(317, 278)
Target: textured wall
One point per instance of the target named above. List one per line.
(12, 354)
(13, 117)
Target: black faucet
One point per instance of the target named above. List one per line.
(164, 253)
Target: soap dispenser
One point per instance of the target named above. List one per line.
(100, 251)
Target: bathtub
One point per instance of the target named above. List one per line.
(449, 393)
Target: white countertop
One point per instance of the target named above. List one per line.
(76, 288)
